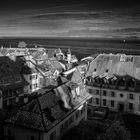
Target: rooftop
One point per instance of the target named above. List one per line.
(43, 112)
(125, 69)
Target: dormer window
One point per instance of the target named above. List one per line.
(122, 82)
(107, 70)
(94, 70)
(131, 83)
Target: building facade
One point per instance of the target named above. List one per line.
(114, 81)
(46, 117)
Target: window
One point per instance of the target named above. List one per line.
(32, 77)
(83, 109)
(36, 85)
(53, 135)
(104, 93)
(32, 138)
(121, 95)
(131, 96)
(97, 101)
(97, 92)
(112, 94)
(104, 102)
(66, 124)
(90, 101)
(71, 120)
(130, 106)
(61, 128)
(90, 90)
(112, 103)
(106, 70)
(8, 132)
(138, 107)
(77, 114)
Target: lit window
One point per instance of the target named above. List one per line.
(53, 135)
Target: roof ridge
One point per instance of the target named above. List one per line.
(43, 122)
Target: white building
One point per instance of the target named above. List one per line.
(46, 117)
(114, 82)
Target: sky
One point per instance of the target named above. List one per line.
(61, 18)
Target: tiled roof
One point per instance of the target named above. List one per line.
(50, 53)
(10, 66)
(45, 111)
(110, 65)
(38, 54)
(4, 51)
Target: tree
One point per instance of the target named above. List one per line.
(115, 132)
(86, 130)
(22, 44)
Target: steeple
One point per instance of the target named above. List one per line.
(69, 55)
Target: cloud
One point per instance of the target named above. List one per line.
(95, 23)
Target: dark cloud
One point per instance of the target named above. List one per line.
(88, 19)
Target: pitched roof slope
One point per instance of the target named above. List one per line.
(45, 111)
(111, 64)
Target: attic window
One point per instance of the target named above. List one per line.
(107, 70)
(94, 69)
